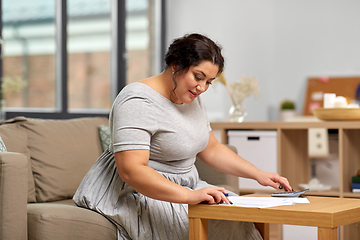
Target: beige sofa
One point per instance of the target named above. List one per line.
(41, 170)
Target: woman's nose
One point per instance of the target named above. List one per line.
(201, 86)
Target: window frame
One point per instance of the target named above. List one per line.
(117, 61)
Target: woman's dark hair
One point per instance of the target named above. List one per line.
(191, 50)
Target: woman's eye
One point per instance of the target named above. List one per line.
(197, 77)
(209, 83)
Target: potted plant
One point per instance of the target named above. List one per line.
(287, 110)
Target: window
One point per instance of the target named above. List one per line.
(88, 48)
(70, 58)
(28, 53)
(139, 41)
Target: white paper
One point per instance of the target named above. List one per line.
(265, 202)
(301, 200)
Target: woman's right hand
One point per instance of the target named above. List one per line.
(208, 195)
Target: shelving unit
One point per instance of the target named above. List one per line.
(293, 159)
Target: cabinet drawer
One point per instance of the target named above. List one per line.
(257, 147)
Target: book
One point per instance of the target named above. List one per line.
(355, 179)
(355, 186)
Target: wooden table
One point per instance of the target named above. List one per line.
(326, 213)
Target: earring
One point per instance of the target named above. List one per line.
(173, 73)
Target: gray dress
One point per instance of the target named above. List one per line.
(141, 118)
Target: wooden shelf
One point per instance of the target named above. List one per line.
(294, 162)
(287, 125)
(331, 193)
(351, 195)
(323, 193)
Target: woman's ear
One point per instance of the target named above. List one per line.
(173, 67)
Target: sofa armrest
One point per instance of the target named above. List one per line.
(217, 178)
(13, 195)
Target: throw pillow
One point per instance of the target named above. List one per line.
(104, 132)
(2, 146)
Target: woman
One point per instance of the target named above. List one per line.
(146, 178)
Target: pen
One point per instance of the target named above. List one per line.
(226, 195)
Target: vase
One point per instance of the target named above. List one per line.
(237, 113)
(2, 110)
(286, 115)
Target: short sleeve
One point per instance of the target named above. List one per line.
(133, 125)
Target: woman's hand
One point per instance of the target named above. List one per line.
(273, 180)
(209, 195)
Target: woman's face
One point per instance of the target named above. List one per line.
(195, 81)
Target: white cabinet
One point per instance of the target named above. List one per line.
(293, 232)
(257, 147)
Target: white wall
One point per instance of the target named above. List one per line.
(281, 42)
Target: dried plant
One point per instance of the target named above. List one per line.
(221, 79)
(239, 91)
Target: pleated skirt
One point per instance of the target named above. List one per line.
(138, 217)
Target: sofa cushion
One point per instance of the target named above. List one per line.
(212, 176)
(64, 220)
(15, 139)
(62, 151)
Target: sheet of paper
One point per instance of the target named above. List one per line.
(301, 200)
(265, 202)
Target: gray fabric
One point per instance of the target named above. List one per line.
(174, 134)
(144, 118)
(138, 217)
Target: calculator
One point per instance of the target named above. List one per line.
(289, 193)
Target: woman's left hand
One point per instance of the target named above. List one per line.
(273, 180)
